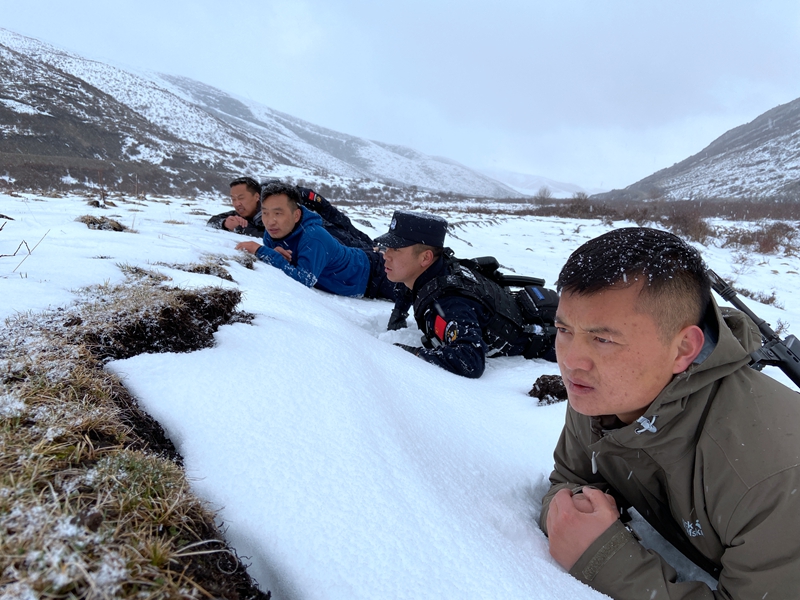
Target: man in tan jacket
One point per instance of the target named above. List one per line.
(666, 416)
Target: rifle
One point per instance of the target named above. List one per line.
(774, 351)
(489, 267)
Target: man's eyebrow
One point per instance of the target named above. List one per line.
(599, 330)
(603, 331)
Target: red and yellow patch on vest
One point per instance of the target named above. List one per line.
(446, 332)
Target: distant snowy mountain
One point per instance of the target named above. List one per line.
(69, 120)
(531, 185)
(759, 159)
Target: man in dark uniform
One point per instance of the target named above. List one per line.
(455, 309)
(245, 218)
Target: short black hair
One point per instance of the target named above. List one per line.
(275, 188)
(252, 185)
(436, 250)
(676, 290)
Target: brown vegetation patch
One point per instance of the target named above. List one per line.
(211, 265)
(94, 503)
(769, 238)
(761, 297)
(102, 223)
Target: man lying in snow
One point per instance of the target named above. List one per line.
(296, 242)
(245, 218)
(465, 316)
(666, 416)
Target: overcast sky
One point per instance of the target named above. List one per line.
(598, 93)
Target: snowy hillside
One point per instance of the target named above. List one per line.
(193, 131)
(343, 466)
(531, 185)
(758, 159)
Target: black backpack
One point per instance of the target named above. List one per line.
(524, 310)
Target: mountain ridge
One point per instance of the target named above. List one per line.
(758, 159)
(198, 135)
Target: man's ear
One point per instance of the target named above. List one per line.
(689, 342)
(297, 214)
(427, 259)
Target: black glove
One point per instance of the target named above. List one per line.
(412, 349)
(397, 320)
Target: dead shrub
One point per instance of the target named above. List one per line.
(641, 215)
(683, 219)
(761, 297)
(768, 238)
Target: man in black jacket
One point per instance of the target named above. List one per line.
(460, 313)
(245, 218)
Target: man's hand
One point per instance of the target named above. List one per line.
(575, 521)
(250, 247)
(234, 221)
(284, 252)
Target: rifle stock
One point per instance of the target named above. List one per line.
(774, 351)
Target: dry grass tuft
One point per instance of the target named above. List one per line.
(93, 500)
(211, 265)
(761, 297)
(245, 259)
(102, 223)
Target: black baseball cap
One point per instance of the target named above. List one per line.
(409, 228)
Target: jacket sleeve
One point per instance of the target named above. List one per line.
(299, 273)
(251, 230)
(462, 351)
(617, 565)
(218, 222)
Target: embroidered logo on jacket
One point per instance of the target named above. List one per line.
(693, 529)
(451, 332)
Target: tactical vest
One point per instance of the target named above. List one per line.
(519, 319)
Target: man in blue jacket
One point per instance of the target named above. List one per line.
(245, 218)
(296, 242)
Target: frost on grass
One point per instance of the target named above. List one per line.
(10, 406)
(93, 499)
(102, 223)
(211, 265)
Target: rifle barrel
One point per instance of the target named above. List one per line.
(775, 351)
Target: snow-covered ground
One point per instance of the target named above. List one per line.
(341, 465)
